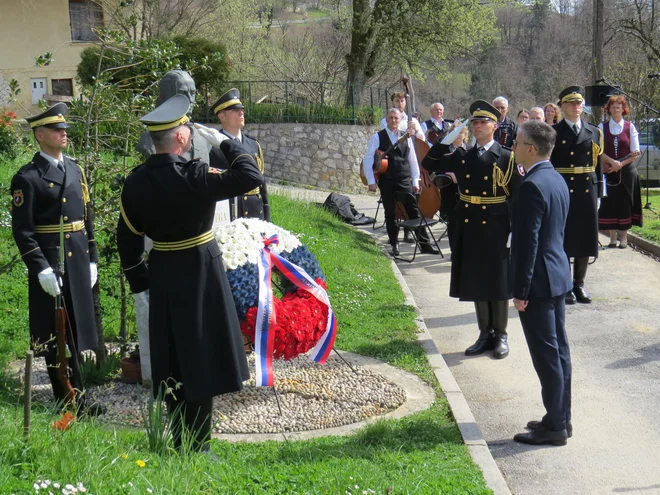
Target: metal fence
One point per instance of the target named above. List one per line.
(307, 102)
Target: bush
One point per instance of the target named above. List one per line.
(9, 140)
(315, 113)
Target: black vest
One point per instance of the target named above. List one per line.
(398, 166)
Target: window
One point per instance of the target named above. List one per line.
(85, 17)
(62, 87)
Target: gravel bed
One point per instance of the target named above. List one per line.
(311, 397)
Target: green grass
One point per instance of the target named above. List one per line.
(651, 228)
(421, 454)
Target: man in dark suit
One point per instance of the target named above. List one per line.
(541, 278)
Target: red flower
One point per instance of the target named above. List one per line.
(63, 423)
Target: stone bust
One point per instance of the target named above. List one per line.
(176, 82)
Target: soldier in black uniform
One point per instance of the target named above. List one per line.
(230, 112)
(480, 271)
(50, 187)
(577, 157)
(194, 332)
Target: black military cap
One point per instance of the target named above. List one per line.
(572, 94)
(53, 118)
(231, 99)
(482, 110)
(170, 114)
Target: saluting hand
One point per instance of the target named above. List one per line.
(213, 136)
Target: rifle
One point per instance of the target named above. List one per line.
(63, 370)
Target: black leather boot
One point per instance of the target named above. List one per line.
(408, 237)
(579, 274)
(500, 312)
(485, 341)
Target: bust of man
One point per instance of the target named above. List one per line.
(176, 82)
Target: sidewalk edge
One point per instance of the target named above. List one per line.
(460, 409)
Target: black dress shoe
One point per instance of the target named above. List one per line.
(501, 346)
(395, 249)
(582, 295)
(533, 425)
(542, 436)
(428, 249)
(484, 343)
(408, 237)
(570, 297)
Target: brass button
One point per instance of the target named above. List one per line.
(572, 178)
(587, 177)
(466, 205)
(572, 165)
(466, 220)
(467, 176)
(483, 207)
(261, 211)
(85, 232)
(484, 193)
(571, 190)
(485, 177)
(467, 191)
(244, 198)
(51, 185)
(463, 161)
(68, 236)
(70, 254)
(572, 153)
(588, 152)
(65, 218)
(483, 222)
(63, 200)
(246, 213)
(587, 190)
(563, 142)
(87, 251)
(495, 164)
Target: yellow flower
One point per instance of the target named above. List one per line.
(124, 456)
(140, 463)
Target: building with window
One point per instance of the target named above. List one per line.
(33, 27)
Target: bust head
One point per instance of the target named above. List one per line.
(176, 82)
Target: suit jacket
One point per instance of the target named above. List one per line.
(540, 209)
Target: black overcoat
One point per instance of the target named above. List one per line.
(574, 151)
(254, 203)
(41, 193)
(480, 269)
(192, 317)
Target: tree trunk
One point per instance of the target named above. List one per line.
(597, 50)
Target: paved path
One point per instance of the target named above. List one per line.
(615, 346)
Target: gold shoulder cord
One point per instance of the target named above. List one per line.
(125, 217)
(85, 189)
(502, 179)
(597, 149)
(260, 159)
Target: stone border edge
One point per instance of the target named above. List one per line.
(460, 409)
(419, 396)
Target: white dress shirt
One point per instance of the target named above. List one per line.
(52, 160)
(571, 123)
(238, 138)
(616, 128)
(374, 142)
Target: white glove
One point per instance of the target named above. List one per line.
(451, 137)
(48, 281)
(213, 136)
(142, 320)
(598, 204)
(94, 273)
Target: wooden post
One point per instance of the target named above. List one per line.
(27, 396)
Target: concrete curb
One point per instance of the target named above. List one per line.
(648, 246)
(460, 409)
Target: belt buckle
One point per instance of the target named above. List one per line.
(77, 226)
(475, 200)
(579, 170)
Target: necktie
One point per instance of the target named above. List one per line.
(481, 150)
(60, 165)
(575, 129)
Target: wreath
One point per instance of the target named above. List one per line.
(301, 318)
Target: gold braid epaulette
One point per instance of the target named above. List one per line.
(597, 149)
(85, 189)
(502, 179)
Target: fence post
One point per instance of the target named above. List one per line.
(353, 103)
(286, 100)
(250, 90)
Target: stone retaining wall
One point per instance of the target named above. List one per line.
(327, 156)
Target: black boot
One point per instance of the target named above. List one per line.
(485, 341)
(395, 249)
(570, 297)
(500, 312)
(580, 272)
(191, 422)
(408, 237)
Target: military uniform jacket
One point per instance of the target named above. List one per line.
(40, 194)
(252, 204)
(480, 269)
(192, 316)
(580, 153)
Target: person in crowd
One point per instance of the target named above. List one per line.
(577, 157)
(231, 114)
(399, 102)
(523, 116)
(506, 127)
(402, 175)
(437, 126)
(622, 207)
(49, 196)
(536, 113)
(552, 113)
(195, 339)
(541, 278)
(480, 271)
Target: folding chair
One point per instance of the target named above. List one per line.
(415, 225)
(380, 203)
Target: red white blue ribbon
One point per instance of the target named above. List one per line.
(264, 334)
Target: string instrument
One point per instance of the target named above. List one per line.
(433, 136)
(380, 161)
(429, 196)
